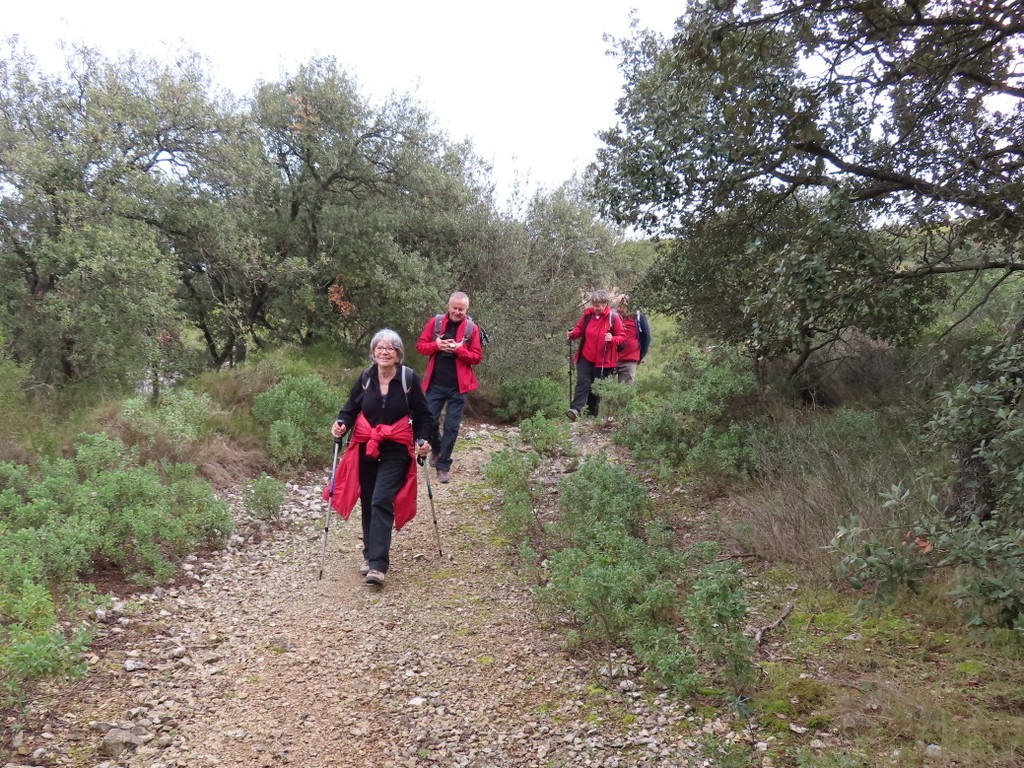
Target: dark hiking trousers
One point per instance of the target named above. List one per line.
(454, 404)
(586, 373)
(379, 481)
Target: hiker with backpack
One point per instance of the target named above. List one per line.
(390, 423)
(601, 331)
(453, 344)
(633, 350)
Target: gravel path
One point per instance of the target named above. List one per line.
(255, 662)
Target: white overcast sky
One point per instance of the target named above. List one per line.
(528, 81)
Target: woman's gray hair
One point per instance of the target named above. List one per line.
(392, 338)
(599, 297)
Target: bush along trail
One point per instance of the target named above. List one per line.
(251, 660)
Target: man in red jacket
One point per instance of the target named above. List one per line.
(449, 375)
(602, 332)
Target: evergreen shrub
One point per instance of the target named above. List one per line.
(524, 398)
(600, 493)
(74, 515)
(546, 435)
(692, 422)
(298, 413)
(264, 497)
(509, 470)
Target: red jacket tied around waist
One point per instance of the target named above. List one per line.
(346, 478)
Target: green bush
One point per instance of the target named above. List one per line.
(509, 470)
(546, 435)
(74, 515)
(716, 613)
(614, 583)
(967, 515)
(598, 494)
(178, 417)
(264, 497)
(721, 456)
(524, 398)
(615, 396)
(715, 390)
(298, 412)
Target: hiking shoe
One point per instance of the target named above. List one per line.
(364, 568)
(573, 414)
(433, 459)
(375, 577)
(443, 476)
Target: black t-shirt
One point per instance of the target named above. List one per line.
(444, 374)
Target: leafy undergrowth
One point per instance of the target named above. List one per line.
(841, 682)
(845, 681)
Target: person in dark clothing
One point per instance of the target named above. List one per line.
(449, 375)
(390, 423)
(601, 332)
(633, 350)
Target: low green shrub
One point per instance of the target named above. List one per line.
(179, 416)
(264, 496)
(74, 515)
(509, 470)
(694, 424)
(613, 583)
(716, 613)
(544, 435)
(600, 493)
(614, 395)
(524, 398)
(298, 412)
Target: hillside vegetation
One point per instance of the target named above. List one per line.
(813, 511)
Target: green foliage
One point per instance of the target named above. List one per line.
(667, 658)
(179, 415)
(96, 509)
(772, 233)
(546, 435)
(620, 578)
(616, 583)
(510, 470)
(967, 516)
(716, 613)
(615, 396)
(264, 497)
(523, 398)
(555, 248)
(296, 411)
(692, 423)
(601, 494)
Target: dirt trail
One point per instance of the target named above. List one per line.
(259, 663)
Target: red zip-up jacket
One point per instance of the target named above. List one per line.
(466, 357)
(594, 349)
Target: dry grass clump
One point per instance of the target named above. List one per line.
(814, 475)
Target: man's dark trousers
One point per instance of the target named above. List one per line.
(454, 403)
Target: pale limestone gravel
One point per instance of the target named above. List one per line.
(260, 663)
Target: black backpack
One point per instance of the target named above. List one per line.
(470, 325)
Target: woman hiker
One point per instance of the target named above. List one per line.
(602, 332)
(387, 414)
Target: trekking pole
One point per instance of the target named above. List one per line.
(570, 371)
(330, 494)
(433, 513)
